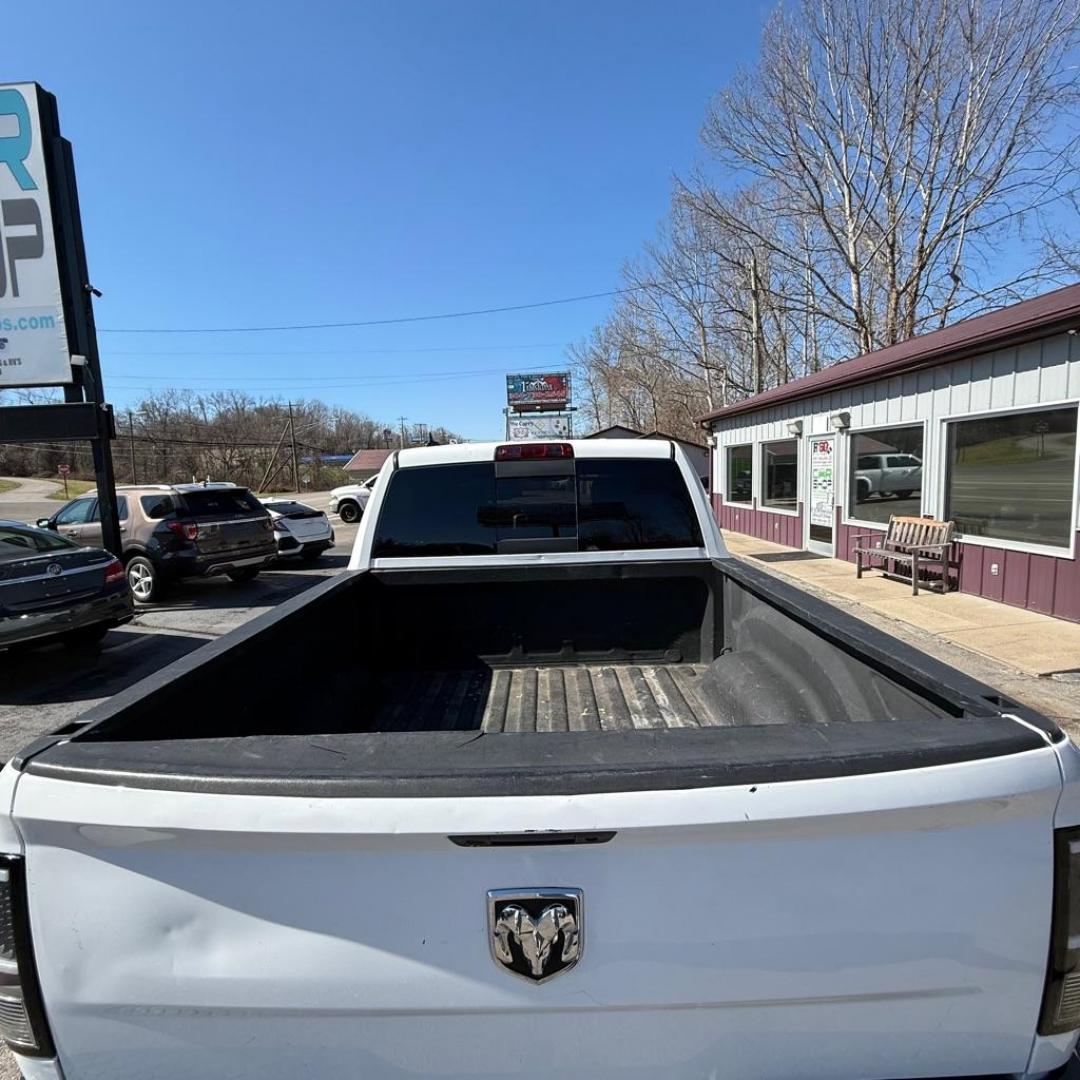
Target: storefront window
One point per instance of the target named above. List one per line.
(780, 467)
(740, 474)
(1011, 477)
(886, 473)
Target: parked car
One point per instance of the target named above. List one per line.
(299, 529)
(51, 588)
(349, 501)
(173, 531)
(887, 474)
(554, 788)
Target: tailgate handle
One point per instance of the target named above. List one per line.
(530, 839)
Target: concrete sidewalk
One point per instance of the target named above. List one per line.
(1030, 657)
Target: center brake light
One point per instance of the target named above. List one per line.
(533, 451)
(187, 529)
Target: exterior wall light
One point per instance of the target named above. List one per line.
(794, 427)
(840, 421)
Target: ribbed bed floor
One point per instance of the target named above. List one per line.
(573, 698)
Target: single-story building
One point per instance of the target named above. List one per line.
(366, 463)
(974, 423)
(698, 453)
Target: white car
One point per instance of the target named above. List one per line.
(299, 529)
(349, 501)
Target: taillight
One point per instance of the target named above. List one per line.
(1061, 1000)
(533, 451)
(268, 523)
(187, 529)
(22, 1018)
(281, 525)
(114, 572)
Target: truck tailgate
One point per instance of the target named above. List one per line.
(891, 925)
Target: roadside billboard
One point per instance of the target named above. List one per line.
(538, 427)
(550, 391)
(33, 338)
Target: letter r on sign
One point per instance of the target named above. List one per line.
(15, 149)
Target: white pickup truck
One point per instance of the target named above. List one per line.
(559, 790)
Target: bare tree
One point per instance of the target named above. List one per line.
(891, 147)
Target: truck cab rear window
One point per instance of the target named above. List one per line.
(610, 504)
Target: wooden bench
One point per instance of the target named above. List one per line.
(915, 540)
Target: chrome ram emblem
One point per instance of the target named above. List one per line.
(54, 569)
(535, 934)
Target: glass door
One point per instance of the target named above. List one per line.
(821, 498)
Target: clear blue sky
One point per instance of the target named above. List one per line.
(252, 163)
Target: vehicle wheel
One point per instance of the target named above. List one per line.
(863, 491)
(310, 554)
(144, 579)
(349, 512)
(246, 573)
(87, 636)
(903, 494)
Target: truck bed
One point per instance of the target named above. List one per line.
(573, 697)
(599, 677)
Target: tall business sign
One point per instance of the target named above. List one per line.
(538, 406)
(47, 335)
(34, 349)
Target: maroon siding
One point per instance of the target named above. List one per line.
(1037, 582)
(786, 529)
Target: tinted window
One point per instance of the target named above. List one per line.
(779, 463)
(441, 510)
(628, 505)
(121, 510)
(18, 543)
(887, 477)
(535, 507)
(157, 506)
(220, 502)
(1011, 477)
(463, 510)
(740, 473)
(76, 513)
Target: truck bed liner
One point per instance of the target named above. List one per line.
(567, 697)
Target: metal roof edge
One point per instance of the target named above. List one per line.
(1038, 325)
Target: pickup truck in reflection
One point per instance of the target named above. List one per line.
(887, 474)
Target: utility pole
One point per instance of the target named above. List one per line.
(131, 447)
(295, 463)
(757, 373)
(401, 422)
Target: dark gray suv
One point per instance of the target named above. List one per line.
(172, 531)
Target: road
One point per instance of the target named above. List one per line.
(29, 501)
(51, 685)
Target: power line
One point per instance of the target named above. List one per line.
(364, 322)
(314, 381)
(333, 352)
